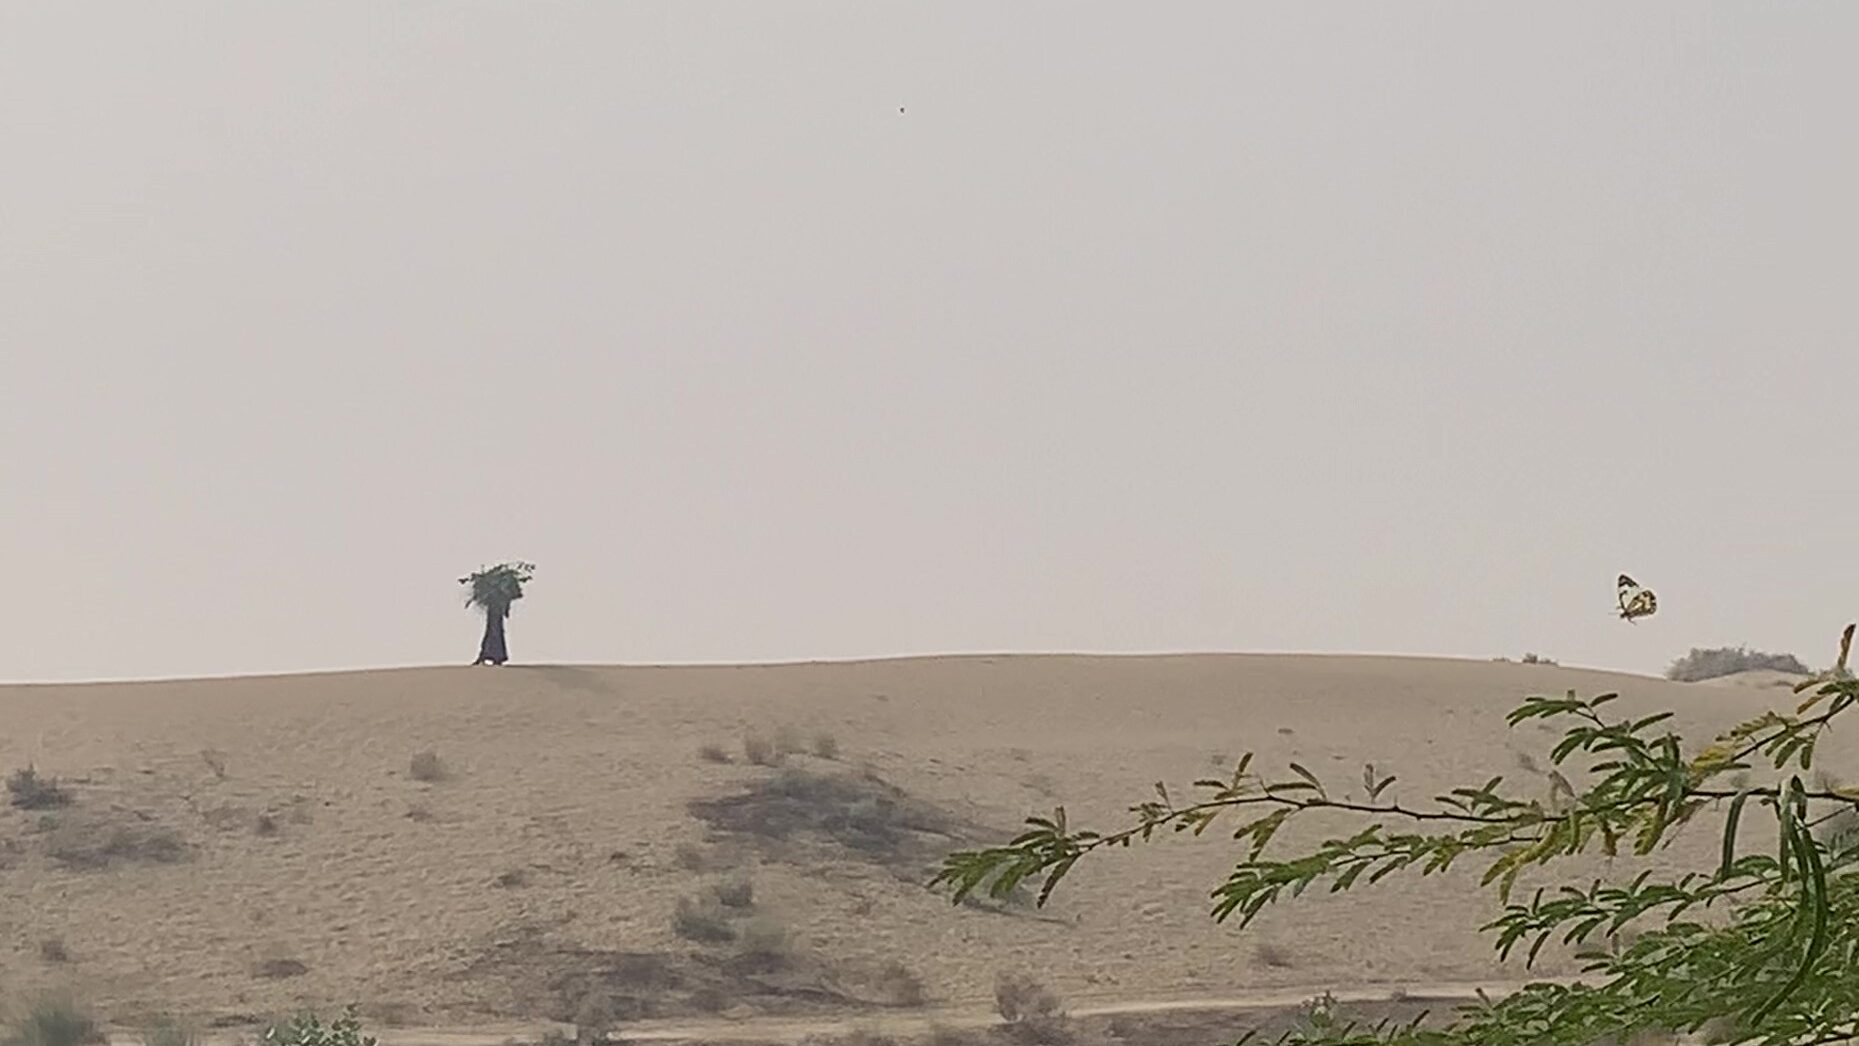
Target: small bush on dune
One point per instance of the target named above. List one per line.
(94, 843)
(1018, 996)
(761, 750)
(703, 923)
(28, 791)
(428, 767)
(736, 893)
(52, 1022)
(825, 745)
(1716, 662)
(713, 753)
(765, 944)
(169, 1033)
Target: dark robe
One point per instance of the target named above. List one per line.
(492, 649)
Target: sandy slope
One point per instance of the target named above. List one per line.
(581, 777)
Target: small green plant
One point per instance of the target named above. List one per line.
(26, 790)
(701, 922)
(306, 1029)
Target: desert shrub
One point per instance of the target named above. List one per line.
(307, 1030)
(765, 943)
(428, 767)
(1273, 954)
(702, 922)
(788, 741)
(691, 857)
(1724, 660)
(825, 745)
(735, 893)
(1018, 996)
(28, 791)
(857, 811)
(280, 968)
(761, 750)
(53, 949)
(1536, 659)
(52, 1021)
(1032, 1010)
(169, 1033)
(713, 753)
(215, 761)
(94, 843)
(900, 986)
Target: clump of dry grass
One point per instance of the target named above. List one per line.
(714, 753)
(898, 985)
(1033, 1012)
(765, 944)
(96, 842)
(702, 922)
(825, 745)
(738, 893)
(53, 949)
(26, 790)
(761, 750)
(53, 1021)
(428, 767)
(1273, 954)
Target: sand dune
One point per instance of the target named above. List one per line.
(554, 852)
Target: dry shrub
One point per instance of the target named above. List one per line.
(1033, 1011)
(215, 761)
(53, 949)
(702, 922)
(428, 767)
(765, 944)
(1702, 664)
(277, 969)
(857, 811)
(899, 985)
(53, 1021)
(761, 750)
(736, 893)
(1273, 954)
(691, 857)
(168, 1032)
(713, 753)
(825, 745)
(26, 790)
(788, 741)
(100, 841)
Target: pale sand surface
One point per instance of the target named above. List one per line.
(581, 777)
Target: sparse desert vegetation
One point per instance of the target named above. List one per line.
(27, 789)
(52, 1020)
(427, 767)
(1702, 663)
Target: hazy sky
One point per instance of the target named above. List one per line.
(1337, 327)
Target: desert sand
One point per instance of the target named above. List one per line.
(550, 855)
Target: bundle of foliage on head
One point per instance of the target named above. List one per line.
(1777, 961)
(495, 588)
(1729, 660)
